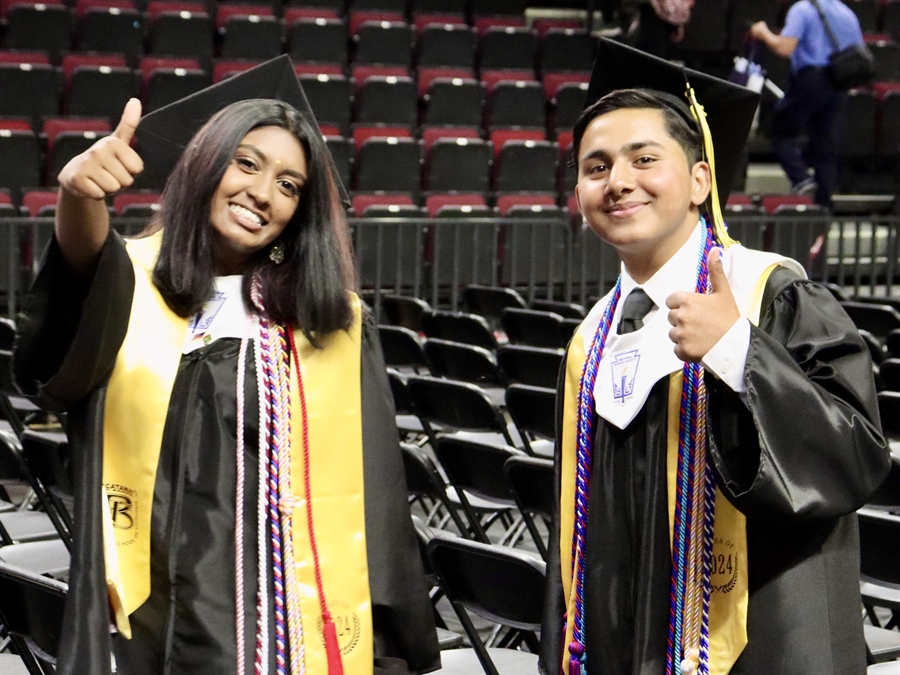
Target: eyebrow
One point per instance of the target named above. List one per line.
(626, 149)
(262, 156)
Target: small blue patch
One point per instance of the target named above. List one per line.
(624, 370)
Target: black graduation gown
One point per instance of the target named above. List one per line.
(70, 333)
(798, 459)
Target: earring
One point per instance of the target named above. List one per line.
(276, 253)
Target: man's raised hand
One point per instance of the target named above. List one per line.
(699, 320)
(110, 164)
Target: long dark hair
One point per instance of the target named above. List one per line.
(309, 289)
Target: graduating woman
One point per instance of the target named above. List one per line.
(241, 505)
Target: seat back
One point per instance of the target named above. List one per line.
(457, 405)
(889, 374)
(31, 610)
(404, 311)
(533, 410)
(500, 584)
(476, 467)
(466, 363)
(531, 481)
(879, 542)
(531, 365)
(402, 347)
(877, 319)
(46, 455)
(490, 301)
(534, 328)
(469, 329)
(424, 480)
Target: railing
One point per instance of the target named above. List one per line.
(542, 258)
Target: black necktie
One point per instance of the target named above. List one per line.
(637, 304)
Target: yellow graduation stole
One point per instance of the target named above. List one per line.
(137, 402)
(730, 591)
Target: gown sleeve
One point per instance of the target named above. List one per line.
(808, 442)
(73, 325)
(401, 609)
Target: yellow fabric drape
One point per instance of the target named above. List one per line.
(728, 603)
(136, 406)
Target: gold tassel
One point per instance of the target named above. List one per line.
(715, 209)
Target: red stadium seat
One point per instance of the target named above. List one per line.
(553, 81)
(500, 136)
(543, 25)
(362, 73)
(72, 61)
(362, 202)
(422, 20)
(151, 63)
(506, 202)
(15, 124)
(123, 200)
(56, 125)
(358, 18)
(432, 134)
(492, 77)
(433, 203)
(772, 202)
(225, 67)
(318, 69)
(428, 75)
(23, 57)
(482, 23)
(36, 200)
(362, 134)
(225, 12)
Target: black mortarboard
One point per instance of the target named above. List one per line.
(729, 107)
(163, 134)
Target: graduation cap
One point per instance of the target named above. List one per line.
(722, 111)
(163, 134)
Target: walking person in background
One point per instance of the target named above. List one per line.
(811, 101)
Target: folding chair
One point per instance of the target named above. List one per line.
(466, 363)
(405, 311)
(500, 584)
(879, 541)
(408, 423)
(427, 487)
(46, 456)
(882, 645)
(445, 405)
(889, 374)
(403, 348)
(491, 301)
(7, 333)
(533, 411)
(887, 496)
(22, 525)
(534, 328)
(475, 468)
(567, 310)
(877, 319)
(31, 610)
(446, 639)
(531, 365)
(530, 480)
(469, 329)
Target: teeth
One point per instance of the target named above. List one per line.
(247, 214)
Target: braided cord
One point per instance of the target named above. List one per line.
(584, 454)
(692, 528)
(239, 507)
(262, 588)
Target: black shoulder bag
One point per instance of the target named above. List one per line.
(850, 67)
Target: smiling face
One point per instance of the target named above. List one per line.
(635, 188)
(257, 196)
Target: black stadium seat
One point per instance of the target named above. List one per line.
(460, 164)
(111, 29)
(507, 47)
(318, 41)
(182, 33)
(455, 102)
(39, 26)
(517, 103)
(447, 45)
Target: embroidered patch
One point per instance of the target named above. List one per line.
(123, 507)
(624, 370)
(203, 320)
(724, 572)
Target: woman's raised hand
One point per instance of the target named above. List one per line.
(109, 165)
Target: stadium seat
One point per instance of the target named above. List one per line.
(100, 91)
(330, 97)
(133, 203)
(517, 104)
(20, 160)
(439, 6)
(40, 203)
(342, 152)
(223, 68)
(867, 12)
(252, 37)
(507, 203)
(29, 90)
(167, 85)
(432, 134)
(316, 9)
(111, 29)
(316, 40)
(225, 11)
(484, 23)
(461, 165)
(444, 45)
(358, 17)
(455, 102)
(499, 137)
(387, 100)
(181, 33)
(436, 203)
(877, 319)
(421, 20)
(889, 132)
(67, 145)
(566, 49)
(526, 166)
(569, 102)
(20, 57)
(887, 60)
(42, 26)
(362, 202)
(389, 165)
(543, 26)
(384, 42)
(507, 48)
(890, 19)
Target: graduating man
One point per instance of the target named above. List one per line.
(718, 420)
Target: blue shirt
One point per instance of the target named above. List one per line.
(813, 47)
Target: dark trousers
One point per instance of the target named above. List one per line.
(654, 35)
(810, 103)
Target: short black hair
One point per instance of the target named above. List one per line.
(686, 133)
(309, 289)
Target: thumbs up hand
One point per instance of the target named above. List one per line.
(700, 320)
(109, 165)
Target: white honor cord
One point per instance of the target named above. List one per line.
(240, 650)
